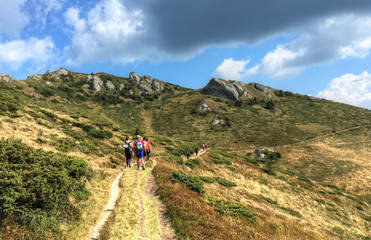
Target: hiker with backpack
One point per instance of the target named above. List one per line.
(139, 152)
(128, 152)
(188, 153)
(147, 148)
(196, 150)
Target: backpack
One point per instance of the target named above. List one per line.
(127, 146)
(139, 146)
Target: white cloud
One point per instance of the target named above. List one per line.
(16, 53)
(109, 32)
(325, 41)
(12, 19)
(41, 9)
(351, 89)
(231, 69)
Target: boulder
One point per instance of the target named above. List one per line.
(49, 83)
(219, 88)
(62, 71)
(134, 77)
(37, 77)
(144, 88)
(217, 121)
(109, 85)
(204, 107)
(261, 87)
(248, 95)
(156, 85)
(131, 92)
(121, 87)
(147, 79)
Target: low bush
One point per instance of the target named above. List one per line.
(190, 165)
(8, 104)
(290, 211)
(230, 208)
(195, 161)
(225, 182)
(36, 187)
(208, 179)
(194, 183)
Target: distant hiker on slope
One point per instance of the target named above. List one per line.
(147, 149)
(196, 150)
(188, 153)
(139, 151)
(128, 152)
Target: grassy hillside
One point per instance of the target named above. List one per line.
(315, 186)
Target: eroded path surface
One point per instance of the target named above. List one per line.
(139, 213)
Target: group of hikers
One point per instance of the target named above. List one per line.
(188, 152)
(142, 149)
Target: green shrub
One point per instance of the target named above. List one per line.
(231, 168)
(290, 211)
(195, 161)
(64, 144)
(177, 159)
(267, 199)
(320, 200)
(8, 103)
(222, 161)
(190, 165)
(194, 183)
(101, 134)
(86, 147)
(230, 208)
(36, 185)
(208, 179)
(225, 182)
(269, 170)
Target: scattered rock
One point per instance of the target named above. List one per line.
(121, 87)
(62, 71)
(49, 83)
(260, 150)
(48, 73)
(85, 85)
(156, 85)
(219, 88)
(109, 85)
(134, 77)
(144, 88)
(261, 87)
(36, 77)
(131, 92)
(217, 121)
(204, 107)
(6, 78)
(248, 95)
(261, 156)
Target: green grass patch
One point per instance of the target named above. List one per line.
(290, 211)
(231, 208)
(190, 165)
(208, 179)
(267, 199)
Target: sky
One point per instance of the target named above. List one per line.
(312, 47)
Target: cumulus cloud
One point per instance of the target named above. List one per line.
(109, 32)
(16, 53)
(12, 19)
(323, 42)
(351, 89)
(231, 69)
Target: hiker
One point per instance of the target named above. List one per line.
(147, 148)
(128, 152)
(139, 152)
(203, 147)
(196, 150)
(188, 153)
(206, 146)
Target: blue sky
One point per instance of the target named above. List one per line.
(319, 48)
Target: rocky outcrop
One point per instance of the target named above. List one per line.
(63, 71)
(48, 73)
(36, 77)
(109, 85)
(261, 87)
(144, 88)
(6, 78)
(121, 87)
(134, 77)
(204, 107)
(219, 88)
(96, 82)
(156, 85)
(261, 153)
(148, 79)
(49, 83)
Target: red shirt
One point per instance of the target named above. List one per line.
(135, 143)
